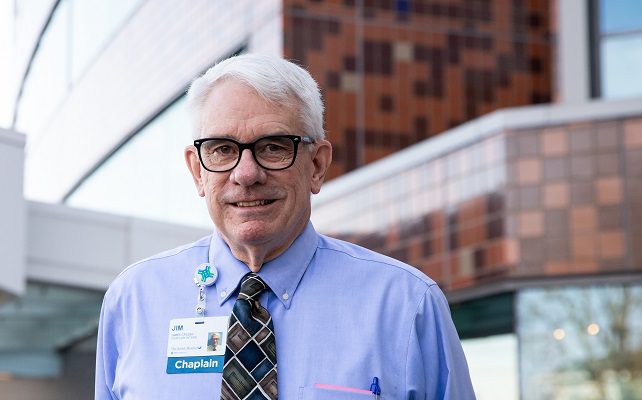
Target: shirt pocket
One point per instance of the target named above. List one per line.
(331, 392)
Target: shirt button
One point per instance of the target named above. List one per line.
(285, 296)
(223, 293)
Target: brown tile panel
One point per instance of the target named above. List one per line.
(552, 217)
(633, 162)
(530, 196)
(377, 57)
(557, 224)
(582, 193)
(590, 224)
(608, 164)
(443, 62)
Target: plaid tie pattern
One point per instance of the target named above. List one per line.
(250, 358)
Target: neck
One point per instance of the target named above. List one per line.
(255, 255)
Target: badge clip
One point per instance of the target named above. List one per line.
(205, 275)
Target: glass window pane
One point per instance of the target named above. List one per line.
(488, 316)
(620, 15)
(47, 83)
(581, 343)
(28, 18)
(492, 362)
(93, 24)
(148, 177)
(37, 325)
(621, 66)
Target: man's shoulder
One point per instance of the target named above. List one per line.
(351, 253)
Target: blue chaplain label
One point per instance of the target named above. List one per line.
(194, 365)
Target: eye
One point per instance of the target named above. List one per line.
(275, 148)
(223, 150)
(219, 149)
(274, 145)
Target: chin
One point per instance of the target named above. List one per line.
(253, 232)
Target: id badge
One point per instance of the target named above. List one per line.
(196, 345)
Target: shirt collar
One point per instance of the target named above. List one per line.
(282, 274)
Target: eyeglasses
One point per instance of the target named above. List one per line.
(270, 152)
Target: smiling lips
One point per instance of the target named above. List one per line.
(254, 203)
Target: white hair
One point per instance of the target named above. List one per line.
(275, 79)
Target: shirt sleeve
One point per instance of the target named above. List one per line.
(106, 354)
(436, 367)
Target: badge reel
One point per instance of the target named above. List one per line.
(205, 275)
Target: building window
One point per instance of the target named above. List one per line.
(486, 327)
(75, 35)
(37, 330)
(618, 46)
(580, 342)
(48, 80)
(147, 177)
(94, 23)
(492, 362)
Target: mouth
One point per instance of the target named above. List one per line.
(255, 203)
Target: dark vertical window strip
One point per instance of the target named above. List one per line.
(594, 41)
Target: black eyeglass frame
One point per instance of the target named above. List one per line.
(250, 146)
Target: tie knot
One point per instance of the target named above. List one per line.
(251, 286)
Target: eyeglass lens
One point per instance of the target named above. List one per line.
(269, 152)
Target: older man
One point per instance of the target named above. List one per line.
(342, 321)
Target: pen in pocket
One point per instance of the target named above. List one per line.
(375, 388)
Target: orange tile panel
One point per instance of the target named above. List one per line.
(633, 134)
(583, 219)
(609, 190)
(584, 247)
(471, 211)
(554, 142)
(461, 283)
(556, 195)
(471, 235)
(371, 153)
(414, 251)
(612, 244)
(559, 267)
(529, 171)
(530, 224)
(585, 266)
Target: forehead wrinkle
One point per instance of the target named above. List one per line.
(276, 128)
(228, 117)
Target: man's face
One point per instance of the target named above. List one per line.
(252, 206)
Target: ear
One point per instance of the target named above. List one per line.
(321, 160)
(195, 168)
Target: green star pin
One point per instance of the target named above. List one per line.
(205, 273)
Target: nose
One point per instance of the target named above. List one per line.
(248, 172)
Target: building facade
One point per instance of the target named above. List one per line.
(397, 72)
(496, 145)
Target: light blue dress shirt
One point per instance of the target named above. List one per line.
(342, 315)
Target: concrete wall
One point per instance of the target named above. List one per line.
(12, 214)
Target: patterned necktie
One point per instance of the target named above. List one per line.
(250, 358)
